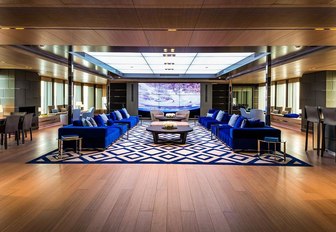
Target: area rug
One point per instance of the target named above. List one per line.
(140, 149)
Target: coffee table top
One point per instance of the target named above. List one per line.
(164, 118)
(178, 129)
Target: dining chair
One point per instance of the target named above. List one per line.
(313, 115)
(244, 113)
(329, 119)
(11, 125)
(257, 114)
(26, 125)
(76, 114)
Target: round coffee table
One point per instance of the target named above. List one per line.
(164, 118)
(181, 130)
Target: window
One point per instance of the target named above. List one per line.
(58, 93)
(88, 96)
(281, 95)
(262, 97)
(46, 96)
(294, 97)
(273, 94)
(331, 92)
(99, 98)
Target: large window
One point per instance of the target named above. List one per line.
(294, 96)
(59, 93)
(46, 96)
(88, 96)
(99, 98)
(331, 91)
(281, 94)
(262, 97)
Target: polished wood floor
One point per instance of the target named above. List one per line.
(111, 197)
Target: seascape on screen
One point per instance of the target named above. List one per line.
(169, 97)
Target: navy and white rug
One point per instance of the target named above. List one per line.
(140, 149)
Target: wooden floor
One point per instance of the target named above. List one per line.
(166, 197)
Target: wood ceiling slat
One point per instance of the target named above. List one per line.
(163, 18)
(166, 3)
(175, 39)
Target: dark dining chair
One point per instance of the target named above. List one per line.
(25, 125)
(11, 125)
(313, 115)
(329, 118)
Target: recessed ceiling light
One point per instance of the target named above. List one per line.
(172, 29)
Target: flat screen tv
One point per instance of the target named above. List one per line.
(169, 97)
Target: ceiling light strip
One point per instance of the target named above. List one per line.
(147, 62)
(242, 62)
(97, 62)
(191, 63)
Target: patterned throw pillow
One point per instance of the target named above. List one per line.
(220, 115)
(92, 121)
(104, 117)
(123, 114)
(209, 115)
(126, 112)
(233, 120)
(118, 114)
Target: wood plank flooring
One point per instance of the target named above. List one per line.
(168, 197)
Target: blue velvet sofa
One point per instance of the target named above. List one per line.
(131, 121)
(94, 137)
(208, 121)
(245, 138)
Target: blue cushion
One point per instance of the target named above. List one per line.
(99, 120)
(109, 122)
(239, 122)
(291, 115)
(123, 114)
(113, 116)
(254, 123)
(77, 123)
(214, 115)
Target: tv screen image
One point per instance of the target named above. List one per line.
(169, 97)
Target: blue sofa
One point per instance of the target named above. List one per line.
(208, 121)
(131, 121)
(246, 138)
(94, 137)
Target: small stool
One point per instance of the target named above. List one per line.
(63, 138)
(272, 141)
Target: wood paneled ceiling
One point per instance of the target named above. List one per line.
(223, 24)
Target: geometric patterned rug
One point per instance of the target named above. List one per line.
(140, 149)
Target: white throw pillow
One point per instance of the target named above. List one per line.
(233, 120)
(119, 116)
(104, 117)
(209, 115)
(127, 114)
(220, 115)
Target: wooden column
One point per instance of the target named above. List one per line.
(70, 84)
(230, 97)
(268, 74)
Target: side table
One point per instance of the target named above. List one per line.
(64, 138)
(275, 145)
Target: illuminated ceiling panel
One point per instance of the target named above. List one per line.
(124, 63)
